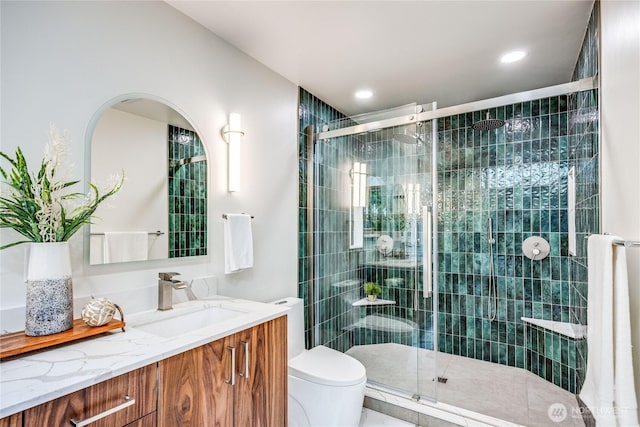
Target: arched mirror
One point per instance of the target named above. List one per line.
(161, 211)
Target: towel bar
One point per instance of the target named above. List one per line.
(224, 216)
(625, 243)
(151, 233)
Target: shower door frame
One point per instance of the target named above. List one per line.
(436, 113)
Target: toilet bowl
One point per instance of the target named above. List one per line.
(326, 387)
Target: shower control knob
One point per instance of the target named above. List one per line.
(536, 248)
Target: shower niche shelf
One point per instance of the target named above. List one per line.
(365, 301)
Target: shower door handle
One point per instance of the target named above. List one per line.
(427, 252)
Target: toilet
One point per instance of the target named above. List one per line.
(326, 387)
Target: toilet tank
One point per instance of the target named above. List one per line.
(295, 324)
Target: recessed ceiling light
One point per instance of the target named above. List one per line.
(514, 56)
(364, 94)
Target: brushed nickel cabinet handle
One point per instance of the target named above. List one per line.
(245, 374)
(128, 402)
(232, 379)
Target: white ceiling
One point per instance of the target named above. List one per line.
(153, 110)
(404, 51)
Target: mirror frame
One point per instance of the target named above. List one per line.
(86, 233)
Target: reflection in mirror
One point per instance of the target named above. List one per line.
(161, 211)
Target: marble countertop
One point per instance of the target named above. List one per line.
(42, 376)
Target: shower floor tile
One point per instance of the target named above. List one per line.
(511, 394)
(487, 388)
(371, 418)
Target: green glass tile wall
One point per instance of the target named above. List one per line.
(335, 263)
(584, 156)
(187, 195)
(552, 356)
(337, 267)
(516, 175)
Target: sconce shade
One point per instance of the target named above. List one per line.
(359, 189)
(232, 133)
(413, 196)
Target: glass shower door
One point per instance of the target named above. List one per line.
(372, 221)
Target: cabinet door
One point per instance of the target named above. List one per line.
(261, 383)
(195, 387)
(193, 391)
(138, 386)
(149, 420)
(14, 420)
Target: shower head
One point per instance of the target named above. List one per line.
(174, 165)
(408, 138)
(182, 139)
(488, 124)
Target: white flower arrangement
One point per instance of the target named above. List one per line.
(35, 204)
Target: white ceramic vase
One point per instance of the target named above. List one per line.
(49, 289)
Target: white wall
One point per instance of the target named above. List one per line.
(142, 204)
(61, 61)
(620, 125)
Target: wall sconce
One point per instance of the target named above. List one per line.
(359, 188)
(413, 196)
(231, 133)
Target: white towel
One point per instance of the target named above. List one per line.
(608, 388)
(125, 246)
(238, 243)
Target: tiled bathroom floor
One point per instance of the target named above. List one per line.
(511, 394)
(371, 418)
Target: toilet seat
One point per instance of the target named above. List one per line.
(323, 365)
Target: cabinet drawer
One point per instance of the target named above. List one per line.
(140, 386)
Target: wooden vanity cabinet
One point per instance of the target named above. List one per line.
(14, 420)
(149, 420)
(139, 386)
(240, 380)
(261, 398)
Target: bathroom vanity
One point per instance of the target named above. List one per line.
(232, 372)
(246, 386)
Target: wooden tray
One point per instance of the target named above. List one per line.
(17, 343)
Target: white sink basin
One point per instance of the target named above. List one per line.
(168, 324)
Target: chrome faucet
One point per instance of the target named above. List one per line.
(166, 284)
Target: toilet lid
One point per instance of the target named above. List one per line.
(323, 365)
